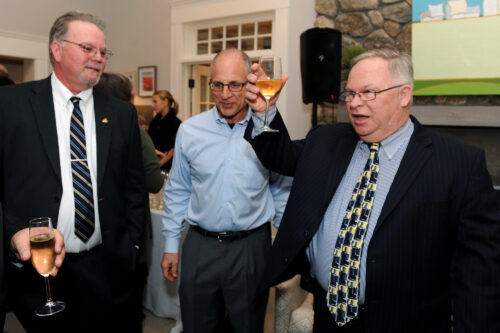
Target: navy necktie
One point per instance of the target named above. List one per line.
(82, 184)
(343, 289)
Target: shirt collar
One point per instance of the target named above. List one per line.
(63, 94)
(390, 145)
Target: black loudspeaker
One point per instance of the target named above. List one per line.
(320, 65)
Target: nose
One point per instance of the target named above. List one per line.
(225, 93)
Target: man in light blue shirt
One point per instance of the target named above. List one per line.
(218, 185)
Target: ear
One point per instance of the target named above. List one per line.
(406, 94)
(56, 49)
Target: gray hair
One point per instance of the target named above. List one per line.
(399, 63)
(60, 27)
(246, 59)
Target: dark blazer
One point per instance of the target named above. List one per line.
(30, 180)
(436, 245)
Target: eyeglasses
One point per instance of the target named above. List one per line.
(367, 95)
(232, 86)
(91, 50)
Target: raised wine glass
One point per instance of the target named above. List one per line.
(271, 65)
(43, 256)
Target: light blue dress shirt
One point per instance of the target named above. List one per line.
(217, 182)
(320, 250)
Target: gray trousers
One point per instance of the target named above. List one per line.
(219, 280)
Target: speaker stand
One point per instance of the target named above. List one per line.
(315, 115)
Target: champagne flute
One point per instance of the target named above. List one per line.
(271, 65)
(43, 257)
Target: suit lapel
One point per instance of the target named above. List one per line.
(103, 125)
(43, 108)
(338, 166)
(417, 153)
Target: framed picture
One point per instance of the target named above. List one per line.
(131, 76)
(147, 81)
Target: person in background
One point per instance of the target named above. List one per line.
(5, 80)
(73, 153)
(163, 127)
(120, 86)
(3, 70)
(4, 76)
(228, 198)
(415, 247)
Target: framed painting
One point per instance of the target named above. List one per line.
(147, 81)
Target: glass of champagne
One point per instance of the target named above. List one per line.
(43, 257)
(271, 65)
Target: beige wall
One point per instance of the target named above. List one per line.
(138, 33)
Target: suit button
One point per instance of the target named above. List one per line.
(307, 234)
(285, 260)
(57, 199)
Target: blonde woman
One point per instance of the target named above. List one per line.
(163, 127)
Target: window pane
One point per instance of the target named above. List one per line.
(217, 32)
(216, 47)
(202, 48)
(264, 43)
(247, 44)
(231, 31)
(232, 44)
(265, 27)
(248, 29)
(202, 34)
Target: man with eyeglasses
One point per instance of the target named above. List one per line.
(74, 154)
(218, 186)
(394, 228)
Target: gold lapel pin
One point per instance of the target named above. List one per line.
(105, 120)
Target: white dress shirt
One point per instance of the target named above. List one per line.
(63, 109)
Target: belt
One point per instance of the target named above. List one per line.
(227, 236)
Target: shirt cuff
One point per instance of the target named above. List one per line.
(258, 120)
(172, 245)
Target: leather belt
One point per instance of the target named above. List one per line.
(227, 236)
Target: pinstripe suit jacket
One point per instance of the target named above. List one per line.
(436, 246)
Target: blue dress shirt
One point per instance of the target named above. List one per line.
(217, 182)
(320, 250)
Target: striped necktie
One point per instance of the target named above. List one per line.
(343, 288)
(82, 184)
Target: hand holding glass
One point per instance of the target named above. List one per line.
(271, 65)
(43, 256)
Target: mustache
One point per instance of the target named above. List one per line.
(96, 66)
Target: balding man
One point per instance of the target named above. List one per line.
(228, 197)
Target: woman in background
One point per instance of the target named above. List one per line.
(163, 127)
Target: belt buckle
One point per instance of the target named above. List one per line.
(221, 235)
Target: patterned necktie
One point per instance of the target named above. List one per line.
(82, 184)
(343, 288)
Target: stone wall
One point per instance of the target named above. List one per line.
(376, 24)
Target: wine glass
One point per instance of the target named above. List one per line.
(43, 257)
(271, 65)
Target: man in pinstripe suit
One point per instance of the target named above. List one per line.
(431, 250)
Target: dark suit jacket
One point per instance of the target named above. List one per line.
(436, 244)
(30, 180)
